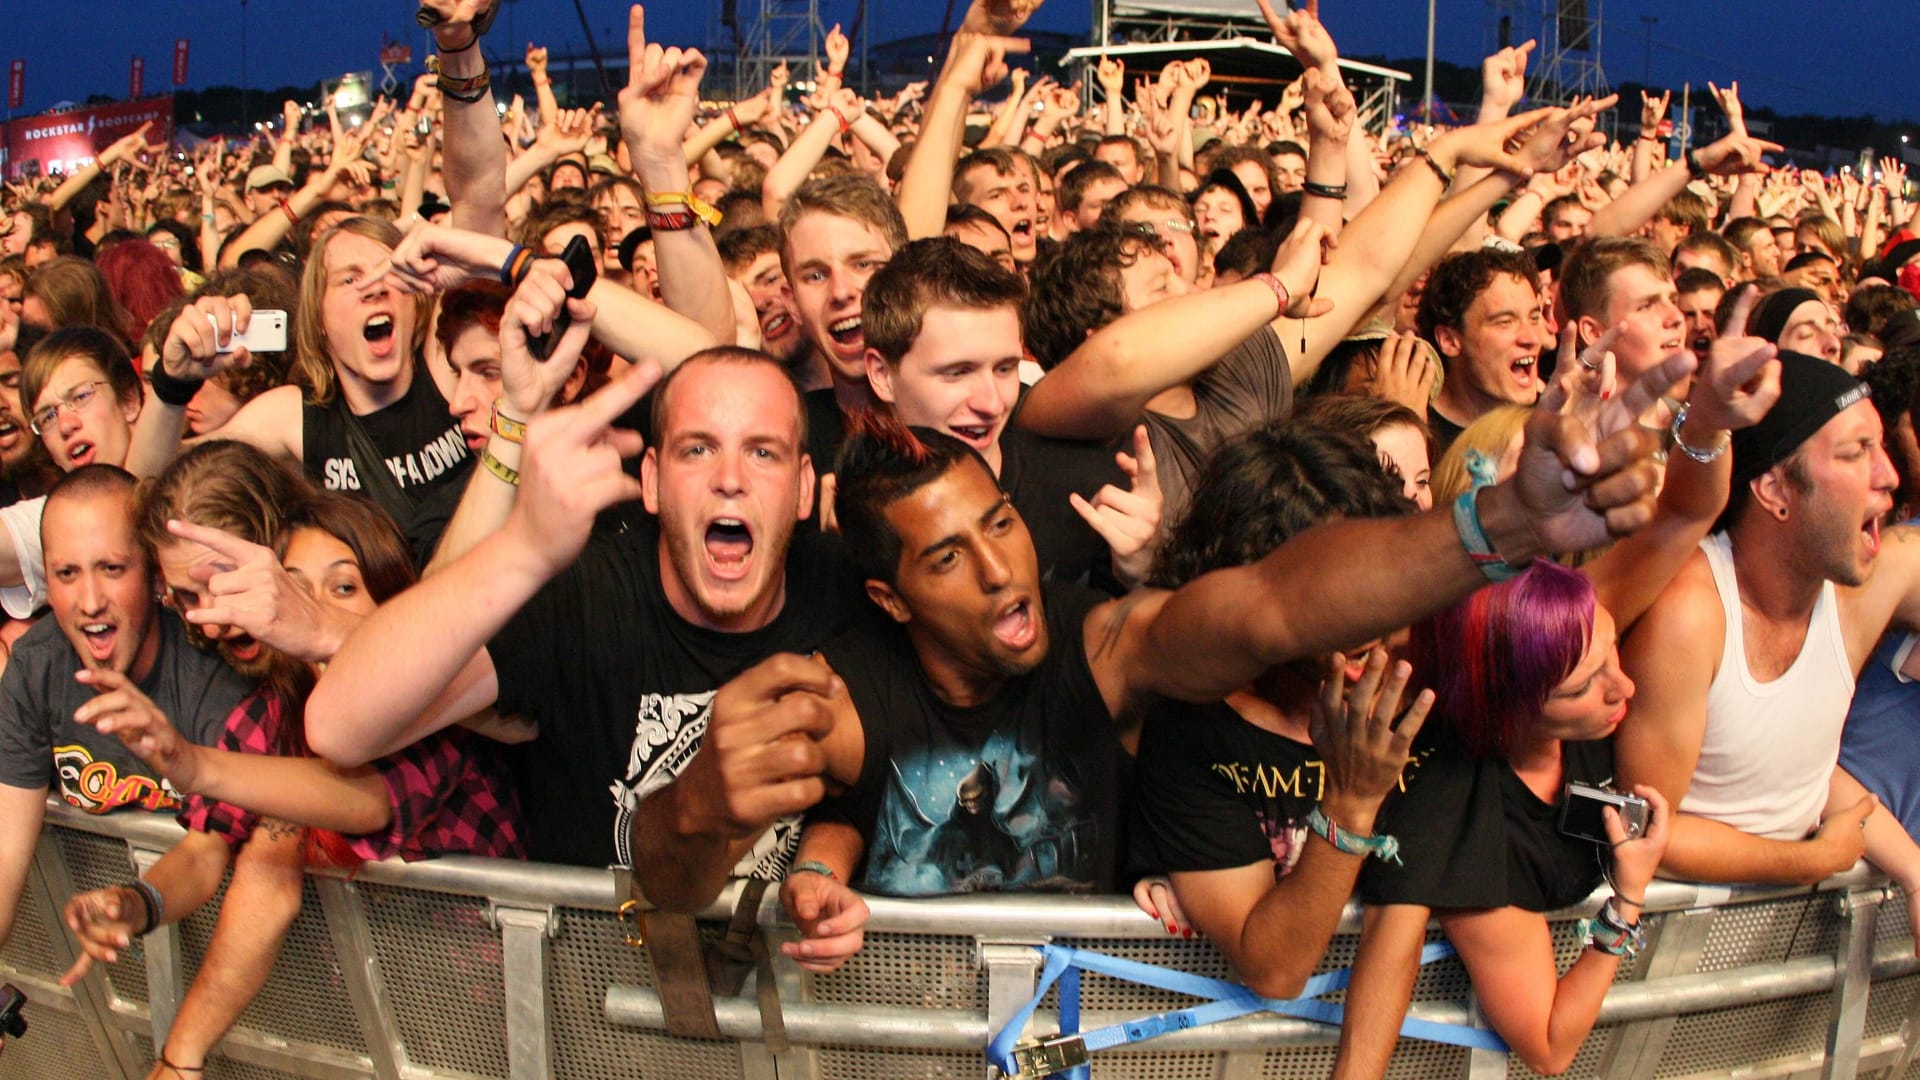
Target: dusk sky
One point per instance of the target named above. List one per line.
(1839, 59)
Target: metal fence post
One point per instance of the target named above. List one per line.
(1013, 966)
(1859, 912)
(524, 933)
(1634, 1050)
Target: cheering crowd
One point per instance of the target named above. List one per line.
(1252, 507)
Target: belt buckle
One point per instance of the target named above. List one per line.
(1049, 1055)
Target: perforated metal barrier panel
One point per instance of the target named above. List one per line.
(464, 968)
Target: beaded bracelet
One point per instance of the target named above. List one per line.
(1379, 845)
(1439, 170)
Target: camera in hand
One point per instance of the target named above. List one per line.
(12, 1024)
(1581, 812)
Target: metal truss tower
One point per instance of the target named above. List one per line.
(758, 35)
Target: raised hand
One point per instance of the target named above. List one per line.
(191, 349)
(777, 79)
(527, 385)
(1330, 106)
(1561, 137)
(1503, 79)
(1364, 736)
(569, 131)
(249, 590)
(1584, 478)
(1729, 100)
(125, 148)
(435, 258)
(1113, 77)
(1300, 33)
(979, 61)
(536, 61)
(1736, 153)
(455, 29)
(1740, 380)
(832, 919)
(1129, 521)
(661, 95)
(998, 18)
(1653, 110)
(1485, 145)
(570, 470)
(838, 50)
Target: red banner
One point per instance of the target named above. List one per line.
(396, 53)
(64, 141)
(17, 84)
(136, 78)
(180, 62)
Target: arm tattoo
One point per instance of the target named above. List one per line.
(1116, 624)
(279, 830)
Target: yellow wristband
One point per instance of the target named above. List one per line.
(687, 199)
(499, 468)
(514, 431)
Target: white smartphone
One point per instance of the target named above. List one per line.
(266, 332)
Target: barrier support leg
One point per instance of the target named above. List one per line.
(360, 970)
(1859, 912)
(524, 933)
(1634, 1050)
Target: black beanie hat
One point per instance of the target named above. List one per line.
(1812, 392)
(1770, 318)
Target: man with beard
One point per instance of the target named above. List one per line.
(1745, 665)
(101, 590)
(612, 646)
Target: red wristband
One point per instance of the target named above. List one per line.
(1279, 288)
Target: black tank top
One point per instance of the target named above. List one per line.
(425, 454)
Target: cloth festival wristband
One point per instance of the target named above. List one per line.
(1379, 845)
(499, 468)
(814, 866)
(514, 431)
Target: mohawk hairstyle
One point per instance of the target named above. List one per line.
(882, 462)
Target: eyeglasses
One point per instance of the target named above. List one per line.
(75, 400)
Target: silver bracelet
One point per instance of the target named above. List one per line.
(1704, 457)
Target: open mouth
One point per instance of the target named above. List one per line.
(9, 429)
(1015, 627)
(979, 436)
(1022, 232)
(846, 333)
(1523, 370)
(243, 648)
(377, 329)
(729, 542)
(775, 325)
(1871, 533)
(100, 638)
(80, 453)
(1671, 345)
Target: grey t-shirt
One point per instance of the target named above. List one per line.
(1251, 385)
(42, 746)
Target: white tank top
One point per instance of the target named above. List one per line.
(1770, 748)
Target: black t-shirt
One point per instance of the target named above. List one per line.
(826, 428)
(1019, 793)
(1217, 792)
(1038, 474)
(1473, 835)
(620, 684)
(424, 450)
(1444, 431)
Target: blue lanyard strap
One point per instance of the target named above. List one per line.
(1067, 1053)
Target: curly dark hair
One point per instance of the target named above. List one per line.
(1078, 289)
(1457, 279)
(1267, 486)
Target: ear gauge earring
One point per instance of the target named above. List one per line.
(1781, 513)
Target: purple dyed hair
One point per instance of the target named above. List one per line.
(1494, 658)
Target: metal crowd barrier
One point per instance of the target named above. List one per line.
(462, 968)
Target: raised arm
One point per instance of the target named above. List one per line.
(974, 62)
(1649, 144)
(792, 169)
(565, 132)
(363, 706)
(121, 149)
(474, 159)
(1349, 581)
(656, 109)
(270, 228)
(1734, 155)
(1740, 383)
(1103, 386)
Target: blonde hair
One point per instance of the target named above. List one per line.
(1491, 435)
(312, 361)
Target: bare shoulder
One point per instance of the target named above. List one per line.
(1686, 617)
(1115, 636)
(270, 422)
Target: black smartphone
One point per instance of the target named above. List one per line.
(1580, 812)
(578, 256)
(12, 1024)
